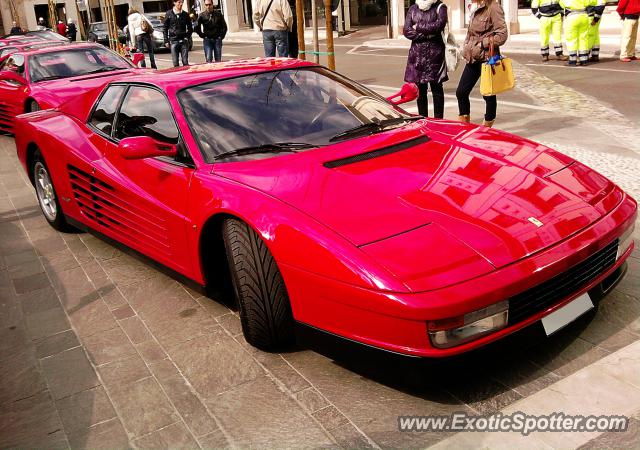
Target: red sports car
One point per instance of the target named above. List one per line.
(326, 205)
(22, 46)
(46, 77)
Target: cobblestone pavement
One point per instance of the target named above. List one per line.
(98, 349)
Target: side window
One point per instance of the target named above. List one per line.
(105, 111)
(146, 112)
(14, 63)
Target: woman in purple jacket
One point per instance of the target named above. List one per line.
(426, 66)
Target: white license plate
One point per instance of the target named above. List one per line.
(567, 314)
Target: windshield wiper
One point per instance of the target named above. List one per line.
(275, 147)
(104, 69)
(374, 126)
(51, 77)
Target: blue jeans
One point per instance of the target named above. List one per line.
(143, 40)
(272, 39)
(212, 49)
(180, 47)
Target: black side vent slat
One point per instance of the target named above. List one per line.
(376, 153)
(552, 291)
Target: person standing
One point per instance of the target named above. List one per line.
(62, 28)
(549, 13)
(423, 26)
(212, 28)
(41, 24)
(15, 29)
(576, 30)
(293, 34)
(629, 11)
(140, 29)
(177, 31)
(274, 18)
(72, 31)
(487, 28)
(595, 13)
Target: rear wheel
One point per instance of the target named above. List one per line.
(46, 195)
(265, 311)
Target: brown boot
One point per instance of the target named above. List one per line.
(466, 119)
(488, 123)
(562, 58)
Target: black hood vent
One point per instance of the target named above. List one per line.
(376, 153)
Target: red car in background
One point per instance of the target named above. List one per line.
(22, 46)
(326, 205)
(45, 78)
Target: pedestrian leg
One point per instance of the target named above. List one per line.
(149, 43)
(140, 45)
(438, 99)
(571, 36)
(282, 43)
(556, 36)
(584, 25)
(184, 52)
(469, 78)
(217, 49)
(545, 31)
(423, 102)
(269, 43)
(174, 53)
(594, 41)
(628, 39)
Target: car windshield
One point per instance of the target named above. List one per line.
(155, 23)
(294, 110)
(74, 62)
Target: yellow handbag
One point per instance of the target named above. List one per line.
(498, 77)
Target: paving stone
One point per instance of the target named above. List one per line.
(50, 243)
(31, 283)
(566, 354)
(59, 261)
(173, 436)
(91, 316)
(123, 371)
(68, 372)
(151, 351)
(107, 435)
(348, 437)
(164, 370)
(80, 251)
(85, 409)
(135, 329)
(523, 376)
(40, 300)
(20, 376)
(188, 406)
(100, 249)
(25, 269)
(483, 394)
(287, 423)
(214, 308)
(311, 400)
(330, 417)
(191, 323)
(124, 270)
(215, 439)
(143, 407)
(123, 312)
(108, 346)
(231, 323)
(13, 339)
(56, 343)
(214, 363)
(74, 288)
(46, 323)
(29, 255)
(31, 423)
(613, 439)
(114, 299)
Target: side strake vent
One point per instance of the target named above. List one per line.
(99, 202)
(376, 153)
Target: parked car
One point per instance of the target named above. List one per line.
(47, 35)
(98, 32)
(25, 46)
(44, 78)
(328, 206)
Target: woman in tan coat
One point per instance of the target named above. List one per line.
(487, 27)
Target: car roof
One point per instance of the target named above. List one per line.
(177, 78)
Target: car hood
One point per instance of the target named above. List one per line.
(502, 196)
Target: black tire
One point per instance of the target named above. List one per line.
(32, 106)
(265, 311)
(55, 218)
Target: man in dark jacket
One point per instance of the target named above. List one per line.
(177, 31)
(212, 28)
(72, 31)
(16, 30)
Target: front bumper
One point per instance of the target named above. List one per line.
(398, 321)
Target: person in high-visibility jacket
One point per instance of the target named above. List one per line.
(576, 29)
(550, 14)
(594, 29)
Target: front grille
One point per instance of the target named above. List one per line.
(552, 291)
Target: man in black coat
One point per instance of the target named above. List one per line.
(177, 31)
(212, 28)
(72, 31)
(16, 30)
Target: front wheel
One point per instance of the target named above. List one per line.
(46, 195)
(265, 311)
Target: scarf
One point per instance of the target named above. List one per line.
(425, 4)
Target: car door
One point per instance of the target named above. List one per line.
(12, 90)
(145, 201)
